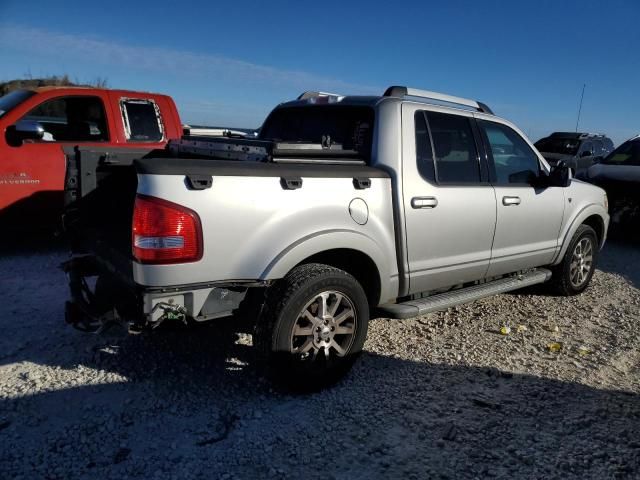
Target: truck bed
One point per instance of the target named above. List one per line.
(239, 204)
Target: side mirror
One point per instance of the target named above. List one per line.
(24, 130)
(586, 153)
(560, 175)
(598, 159)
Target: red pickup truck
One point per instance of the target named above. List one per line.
(36, 124)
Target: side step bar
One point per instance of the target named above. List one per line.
(442, 301)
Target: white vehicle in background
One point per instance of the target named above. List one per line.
(201, 131)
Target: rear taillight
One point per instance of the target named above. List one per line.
(164, 232)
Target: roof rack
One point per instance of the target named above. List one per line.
(396, 91)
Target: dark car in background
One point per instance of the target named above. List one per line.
(619, 175)
(578, 150)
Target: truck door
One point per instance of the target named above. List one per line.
(529, 217)
(33, 171)
(449, 205)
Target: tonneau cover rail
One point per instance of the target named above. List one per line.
(203, 166)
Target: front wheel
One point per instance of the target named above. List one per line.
(572, 275)
(313, 327)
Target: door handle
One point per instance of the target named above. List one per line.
(508, 201)
(424, 202)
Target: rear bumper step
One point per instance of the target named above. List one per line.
(442, 301)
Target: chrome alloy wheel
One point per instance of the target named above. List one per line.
(327, 323)
(581, 262)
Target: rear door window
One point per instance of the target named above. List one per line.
(455, 149)
(142, 121)
(424, 152)
(338, 128)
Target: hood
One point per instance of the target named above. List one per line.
(618, 173)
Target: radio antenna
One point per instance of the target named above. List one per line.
(580, 107)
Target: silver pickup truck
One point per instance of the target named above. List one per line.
(342, 209)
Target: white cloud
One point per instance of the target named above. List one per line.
(167, 60)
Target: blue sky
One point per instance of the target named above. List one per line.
(229, 63)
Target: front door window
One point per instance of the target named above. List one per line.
(71, 119)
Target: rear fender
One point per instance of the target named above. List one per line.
(323, 241)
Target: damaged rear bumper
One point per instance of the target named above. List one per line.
(99, 298)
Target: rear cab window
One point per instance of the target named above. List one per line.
(322, 129)
(142, 120)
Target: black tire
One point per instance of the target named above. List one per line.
(561, 280)
(285, 306)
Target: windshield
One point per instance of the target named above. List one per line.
(563, 146)
(336, 127)
(626, 154)
(11, 100)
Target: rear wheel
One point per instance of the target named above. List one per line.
(313, 327)
(573, 274)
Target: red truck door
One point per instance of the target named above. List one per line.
(32, 172)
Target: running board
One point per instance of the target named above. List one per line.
(442, 301)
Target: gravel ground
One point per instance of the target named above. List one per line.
(441, 396)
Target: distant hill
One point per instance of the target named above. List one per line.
(63, 81)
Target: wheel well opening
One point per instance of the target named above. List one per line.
(595, 222)
(356, 263)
